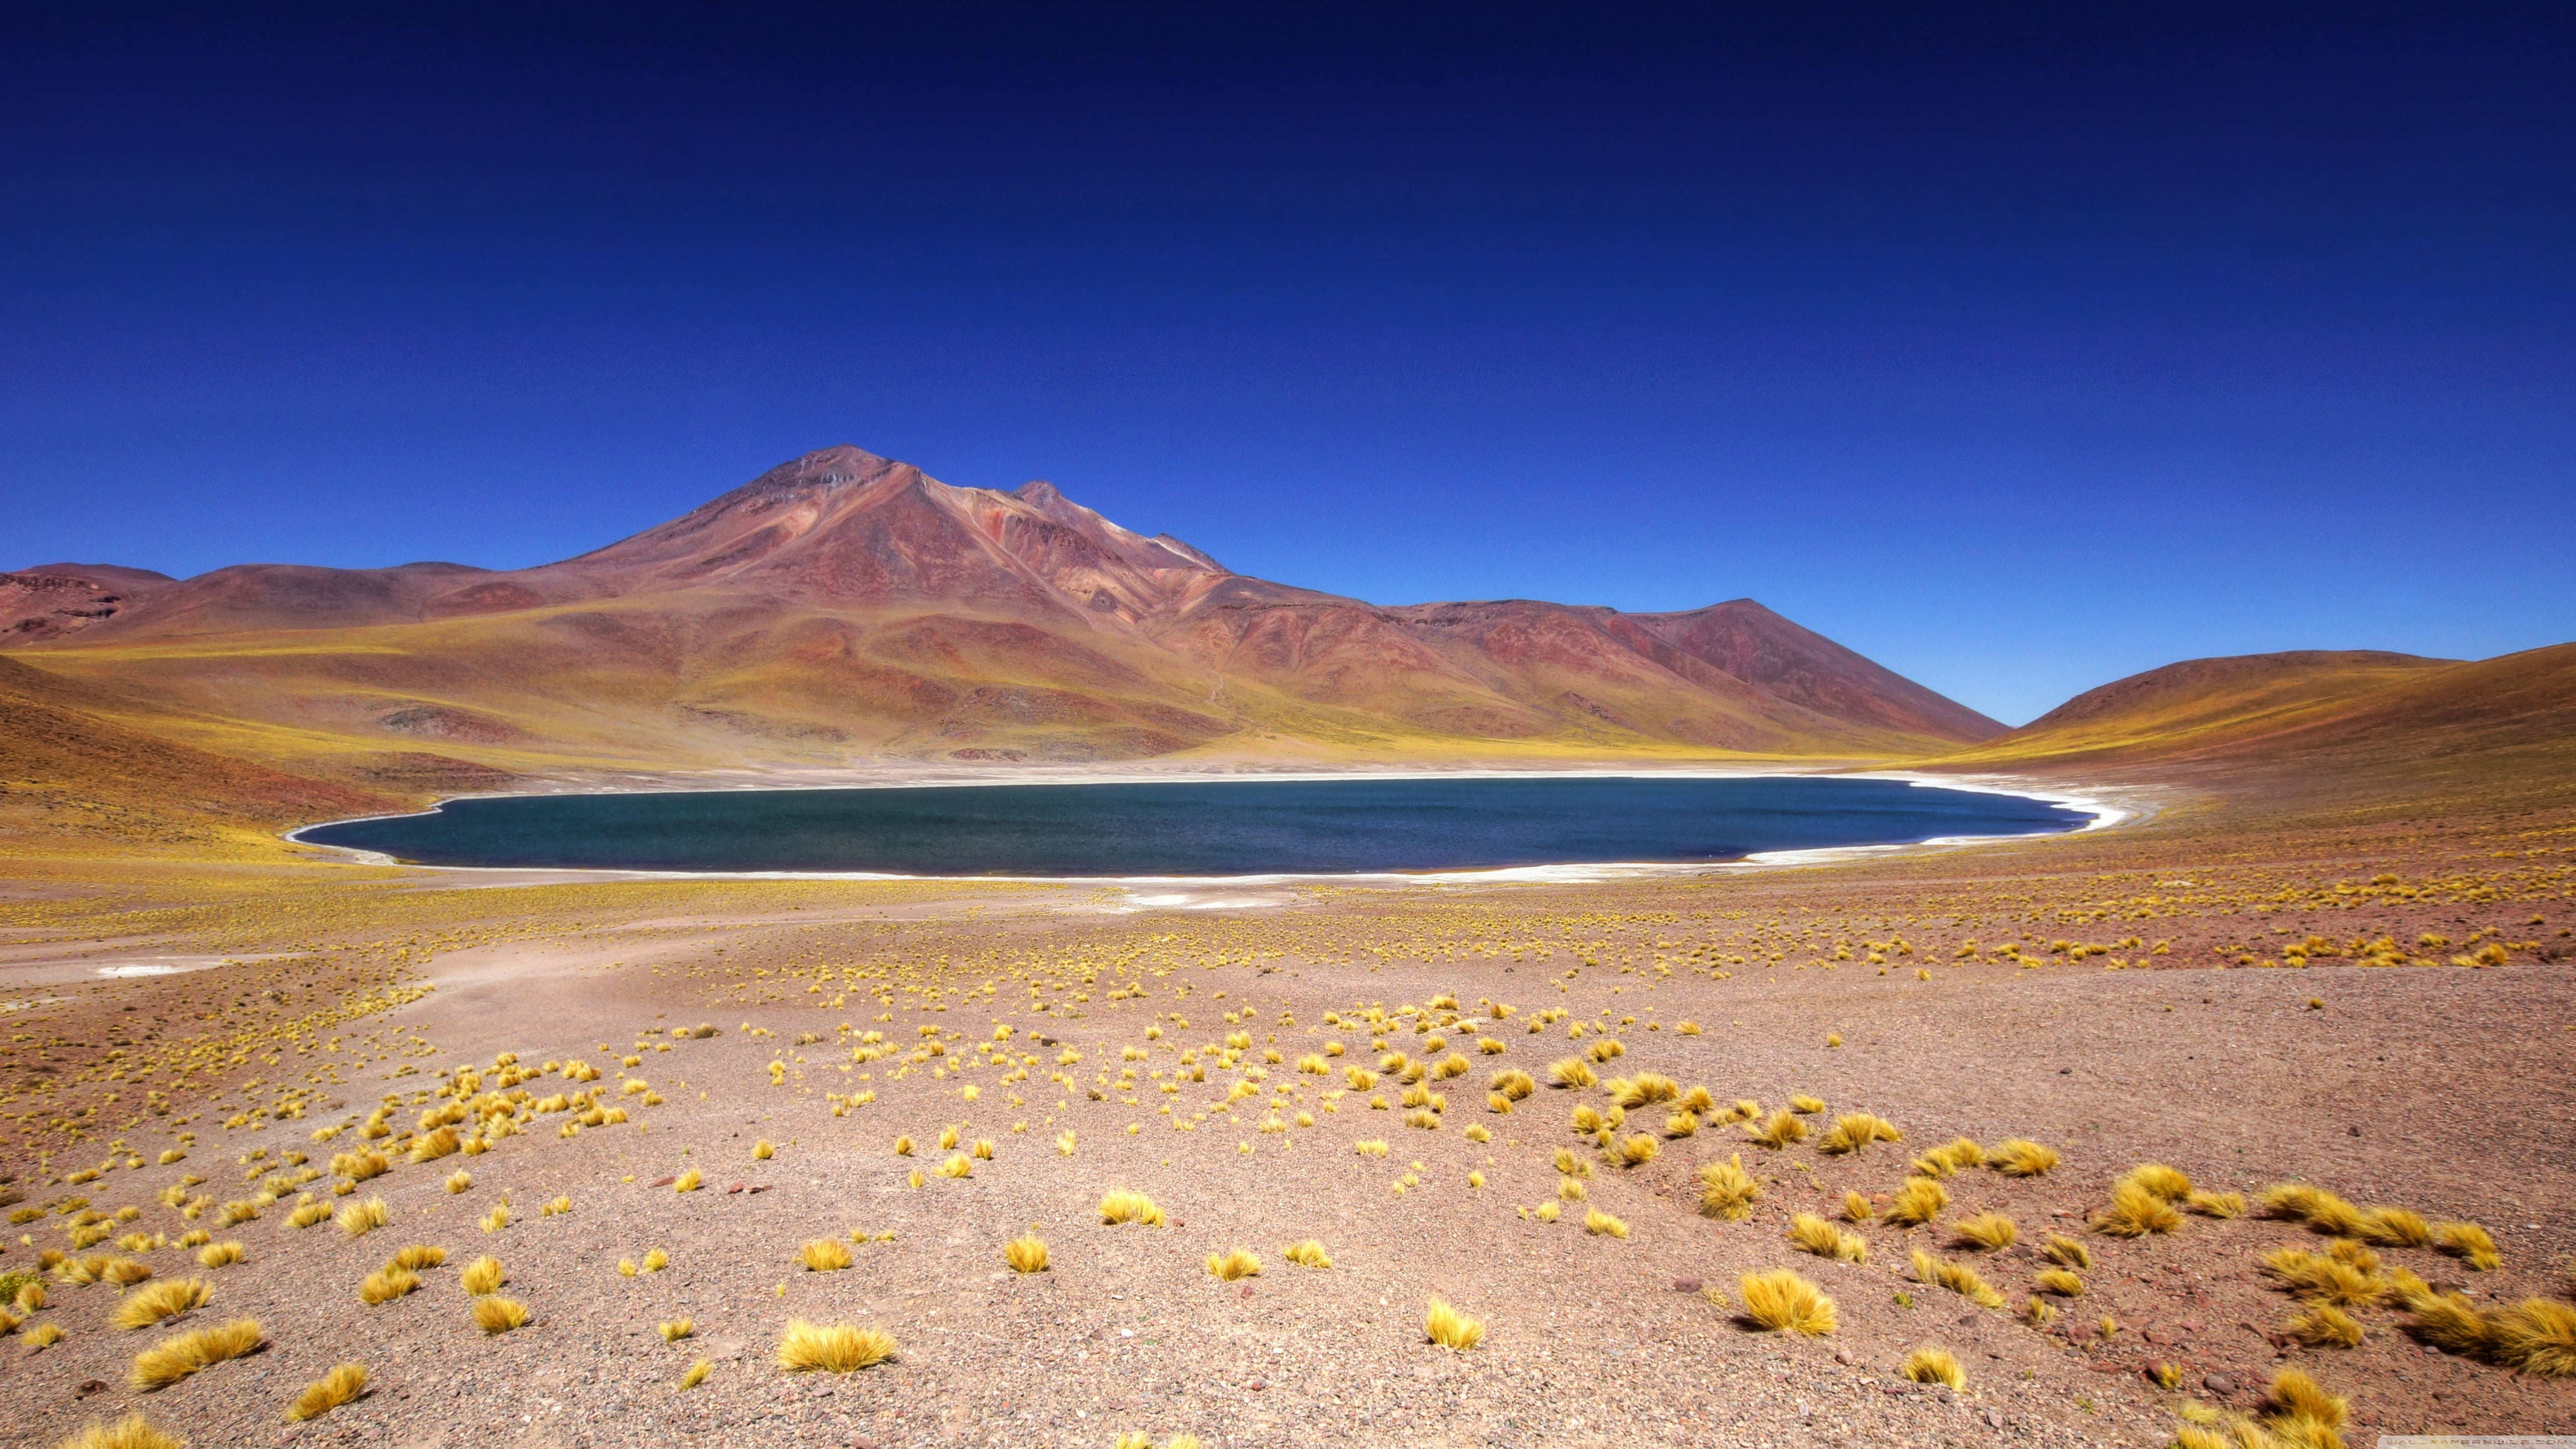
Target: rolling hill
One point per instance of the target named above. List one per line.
(845, 607)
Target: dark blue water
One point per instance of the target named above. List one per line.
(1232, 828)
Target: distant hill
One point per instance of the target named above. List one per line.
(844, 606)
(2326, 715)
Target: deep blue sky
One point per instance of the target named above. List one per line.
(2018, 350)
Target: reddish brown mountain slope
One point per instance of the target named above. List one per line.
(845, 605)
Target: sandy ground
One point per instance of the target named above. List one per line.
(2438, 1087)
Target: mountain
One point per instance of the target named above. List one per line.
(843, 607)
(2346, 720)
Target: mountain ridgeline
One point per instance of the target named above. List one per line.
(844, 607)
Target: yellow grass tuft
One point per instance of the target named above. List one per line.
(125, 1272)
(176, 1357)
(386, 1284)
(957, 1165)
(2167, 1183)
(1726, 1190)
(1638, 1150)
(482, 1276)
(674, 1330)
(1571, 1072)
(460, 1181)
(2037, 1313)
(689, 1181)
(307, 1214)
(2452, 1324)
(340, 1386)
(2058, 1281)
(1122, 1206)
(2322, 1278)
(1782, 1302)
(1309, 1254)
(496, 1316)
(1857, 1207)
(1241, 1263)
(832, 1348)
(166, 1299)
(2020, 1157)
(2470, 1244)
(1918, 1201)
(823, 1255)
(1601, 1224)
(1512, 1084)
(361, 1218)
(2067, 1251)
(1802, 1103)
(1991, 1232)
(420, 1255)
(2135, 1211)
(1934, 1366)
(1449, 1328)
(1783, 1129)
(1026, 1254)
(1957, 1155)
(131, 1432)
(2537, 1336)
(1064, 1144)
(697, 1374)
(2216, 1204)
(761, 1151)
(1812, 1234)
(1855, 1131)
(1959, 1278)
(2322, 1325)
(2301, 1413)
(1681, 1124)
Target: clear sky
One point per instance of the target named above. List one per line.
(2019, 350)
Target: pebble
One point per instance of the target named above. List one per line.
(2218, 1384)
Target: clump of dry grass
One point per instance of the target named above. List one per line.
(1026, 1254)
(1726, 1190)
(1812, 1234)
(1806, 1104)
(1643, 1089)
(689, 1181)
(1988, 1232)
(1571, 1189)
(42, 1336)
(2167, 1183)
(125, 1272)
(361, 1218)
(2321, 1210)
(1783, 1129)
(483, 1275)
(832, 1348)
(2021, 1157)
(2216, 1204)
(2470, 1244)
(2320, 1277)
(2452, 1324)
(177, 1357)
(957, 1165)
(1449, 1328)
(420, 1255)
(1956, 1155)
(1857, 1207)
(2070, 1252)
(386, 1284)
(1240, 1263)
(675, 1329)
(1512, 1083)
(131, 1432)
(823, 1255)
(307, 1214)
(697, 1373)
(1783, 1302)
(166, 1299)
(1934, 1366)
(1122, 1206)
(2537, 1336)
(2322, 1325)
(1959, 1278)
(2395, 1227)
(1309, 1254)
(1603, 1225)
(341, 1385)
(2302, 1414)
(219, 1255)
(1638, 1149)
(1917, 1201)
(496, 1316)
(2135, 1211)
(1855, 1131)
(1571, 1072)
(2058, 1281)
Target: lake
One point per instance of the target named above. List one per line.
(1197, 828)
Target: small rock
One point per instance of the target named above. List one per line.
(665, 1180)
(89, 1387)
(1686, 1285)
(1994, 1418)
(2219, 1384)
(1844, 1356)
(2355, 1131)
